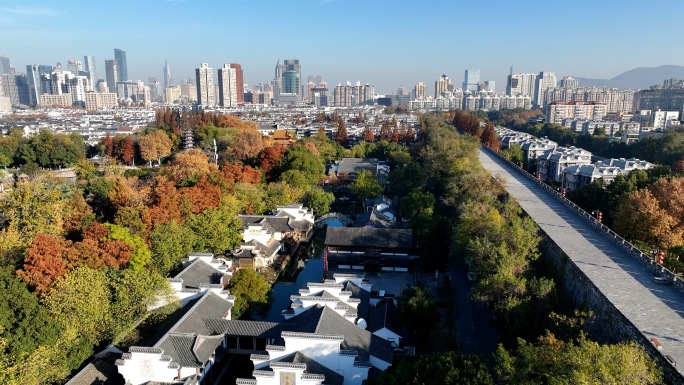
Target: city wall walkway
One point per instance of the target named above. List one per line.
(655, 309)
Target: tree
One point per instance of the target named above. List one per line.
(188, 167)
(300, 159)
(217, 229)
(155, 146)
(250, 289)
(417, 202)
(269, 159)
(438, 368)
(248, 144)
(24, 324)
(365, 186)
(552, 361)
(368, 135)
(140, 256)
(201, 196)
(128, 150)
(169, 244)
(318, 200)
(46, 259)
(132, 292)
(489, 137)
(281, 194)
(165, 201)
(639, 217)
(417, 307)
(108, 145)
(80, 301)
(341, 136)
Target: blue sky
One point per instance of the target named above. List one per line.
(387, 43)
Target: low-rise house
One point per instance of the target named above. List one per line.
(201, 272)
(368, 248)
(264, 235)
(187, 352)
(551, 164)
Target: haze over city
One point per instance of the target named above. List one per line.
(385, 43)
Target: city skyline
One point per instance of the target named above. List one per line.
(393, 49)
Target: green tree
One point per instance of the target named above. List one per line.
(217, 229)
(552, 361)
(418, 309)
(302, 159)
(417, 202)
(318, 200)
(80, 301)
(448, 369)
(24, 323)
(366, 186)
(169, 244)
(250, 290)
(132, 292)
(141, 253)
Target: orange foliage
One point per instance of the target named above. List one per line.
(269, 159)
(201, 196)
(234, 172)
(46, 259)
(166, 203)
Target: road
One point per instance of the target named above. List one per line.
(657, 310)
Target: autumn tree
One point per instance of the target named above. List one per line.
(489, 137)
(639, 217)
(155, 146)
(248, 144)
(368, 135)
(165, 202)
(250, 290)
(188, 167)
(47, 258)
(341, 136)
(140, 256)
(201, 196)
(386, 130)
(251, 198)
(269, 159)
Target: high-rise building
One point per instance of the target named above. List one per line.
(34, 74)
(287, 84)
(545, 80)
(569, 82)
(74, 66)
(401, 91)
(112, 74)
(206, 89)
(227, 85)
(442, 85)
(167, 75)
(521, 84)
(239, 76)
(471, 80)
(155, 88)
(122, 66)
(490, 85)
(4, 65)
(89, 61)
(420, 91)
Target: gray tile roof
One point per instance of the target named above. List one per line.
(323, 320)
(99, 371)
(243, 328)
(176, 344)
(199, 272)
(362, 295)
(369, 237)
(384, 315)
(271, 223)
(313, 367)
(354, 165)
(205, 346)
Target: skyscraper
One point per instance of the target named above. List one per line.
(521, 84)
(569, 82)
(167, 75)
(471, 81)
(288, 85)
(544, 81)
(4, 65)
(420, 91)
(206, 94)
(89, 61)
(240, 82)
(122, 67)
(112, 72)
(228, 86)
(34, 74)
(442, 85)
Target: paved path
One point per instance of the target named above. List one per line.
(657, 310)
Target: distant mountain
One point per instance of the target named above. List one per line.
(638, 78)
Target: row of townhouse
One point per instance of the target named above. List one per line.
(568, 167)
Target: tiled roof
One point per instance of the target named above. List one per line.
(369, 237)
(313, 367)
(243, 328)
(180, 350)
(323, 320)
(198, 272)
(384, 315)
(100, 371)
